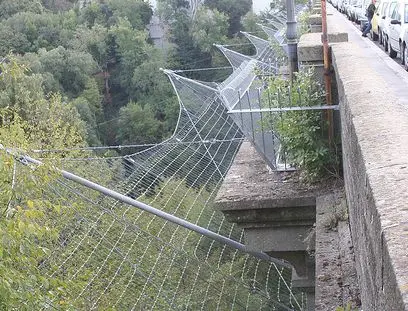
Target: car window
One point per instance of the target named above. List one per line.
(395, 13)
(406, 13)
(379, 7)
(384, 9)
(391, 9)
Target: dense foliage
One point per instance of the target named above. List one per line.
(94, 56)
(98, 55)
(28, 120)
(302, 133)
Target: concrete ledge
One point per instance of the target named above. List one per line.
(315, 19)
(310, 47)
(375, 155)
(250, 185)
(335, 37)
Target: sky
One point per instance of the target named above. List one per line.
(260, 5)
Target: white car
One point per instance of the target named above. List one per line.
(360, 12)
(342, 6)
(404, 54)
(349, 8)
(387, 22)
(398, 23)
(379, 20)
(355, 10)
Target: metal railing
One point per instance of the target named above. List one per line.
(259, 114)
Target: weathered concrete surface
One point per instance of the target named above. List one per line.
(276, 210)
(315, 19)
(249, 184)
(336, 277)
(350, 288)
(375, 155)
(310, 47)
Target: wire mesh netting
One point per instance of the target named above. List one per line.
(243, 91)
(114, 256)
(117, 257)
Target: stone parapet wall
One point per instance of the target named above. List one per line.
(375, 155)
(374, 127)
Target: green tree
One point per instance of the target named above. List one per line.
(43, 114)
(303, 134)
(37, 30)
(250, 22)
(151, 87)
(131, 50)
(28, 230)
(234, 9)
(95, 13)
(137, 12)
(209, 27)
(10, 7)
(137, 124)
(72, 69)
(95, 41)
(169, 9)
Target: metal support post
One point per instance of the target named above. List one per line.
(291, 37)
(327, 74)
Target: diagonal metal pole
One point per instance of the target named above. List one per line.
(174, 219)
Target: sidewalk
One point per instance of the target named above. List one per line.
(396, 78)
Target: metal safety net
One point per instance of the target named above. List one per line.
(110, 254)
(233, 57)
(141, 231)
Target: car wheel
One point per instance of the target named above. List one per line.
(391, 52)
(402, 56)
(385, 44)
(381, 38)
(406, 57)
(375, 37)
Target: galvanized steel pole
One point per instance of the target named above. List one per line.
(291, 36)
(327, 73)
(181, 222)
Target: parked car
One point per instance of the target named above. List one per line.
(397, 28)
(349, 8)
(336, 3)
(387, 24)
(355, 10)
(374, 21)
(342, 6)
(360, 12)
(378, 21)
(404, 54)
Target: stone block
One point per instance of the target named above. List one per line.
(317, 11)
(335, 37)
(277, 239)
(310, 48)
(315, 28)
(315, 19)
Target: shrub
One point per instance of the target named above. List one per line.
(302, 133)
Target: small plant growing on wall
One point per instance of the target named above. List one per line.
(302, 131)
